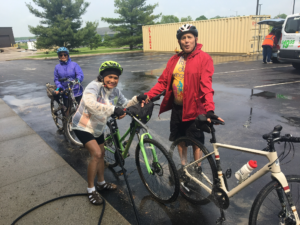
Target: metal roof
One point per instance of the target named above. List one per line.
(103, 30)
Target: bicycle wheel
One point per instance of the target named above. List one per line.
(205, 171)
(56, 113)
(163, 183)
(70, 134)
(110, 150)
(266, 206)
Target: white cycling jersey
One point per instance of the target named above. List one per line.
(97, 105)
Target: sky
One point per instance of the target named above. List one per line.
(15, 14)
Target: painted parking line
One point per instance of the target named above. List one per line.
(276, 84)
(236, 71)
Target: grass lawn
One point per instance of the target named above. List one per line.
(83, 51)
(23, 45)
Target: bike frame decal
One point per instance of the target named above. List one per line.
(286, 189)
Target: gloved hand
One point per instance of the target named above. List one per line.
(77, 80)
(141, 98)
(119, 111)
(202, 123)
(211, 115)
(58, 90)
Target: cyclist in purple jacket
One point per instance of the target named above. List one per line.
(67, 69)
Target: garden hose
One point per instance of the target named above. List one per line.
(52, 200)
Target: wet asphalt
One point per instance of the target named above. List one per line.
(250, 96)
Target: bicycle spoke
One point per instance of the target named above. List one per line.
(160, 182)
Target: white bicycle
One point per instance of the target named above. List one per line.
(203, 180)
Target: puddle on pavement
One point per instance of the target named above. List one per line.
(155, 72)
(270, 95)
(294, 121)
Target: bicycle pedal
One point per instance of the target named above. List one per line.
(120, 173)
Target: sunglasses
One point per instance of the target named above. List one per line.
(61, 55)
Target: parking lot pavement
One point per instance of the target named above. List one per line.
(251, 97)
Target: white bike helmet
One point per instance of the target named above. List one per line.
(186, 28)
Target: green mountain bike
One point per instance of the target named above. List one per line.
(154, 164)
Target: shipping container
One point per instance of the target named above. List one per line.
(234, 35)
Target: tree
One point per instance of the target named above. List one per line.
(201, 18)
(184, 19)
(133, 15)
(283, 16)
(169, 19)
(61, 24)
(218, 17)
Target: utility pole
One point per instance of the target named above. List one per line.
(257, 7)
(236, 12)
(293, 7)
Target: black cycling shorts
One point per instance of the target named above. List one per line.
(85, 137)
(180, 129)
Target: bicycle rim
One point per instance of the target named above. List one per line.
(266, 207)
(206, 174)
(70, 134)
(56, 114)
(163, 183)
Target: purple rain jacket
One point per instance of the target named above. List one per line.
(70, 70)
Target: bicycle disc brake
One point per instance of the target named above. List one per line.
(219, 197)
(157, 169)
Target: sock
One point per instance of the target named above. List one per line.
(101, 182)
(90, 190)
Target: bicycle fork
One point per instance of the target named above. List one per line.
(284, 214)
(141, 144)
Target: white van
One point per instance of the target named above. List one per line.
(290, 41)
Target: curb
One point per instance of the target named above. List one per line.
(75, 56)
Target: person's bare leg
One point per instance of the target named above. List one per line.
(197, 153)
(96, 154)
(182, 150)
(101, 167)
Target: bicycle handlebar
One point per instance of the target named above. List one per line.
(70, 81)
(157, 97)
(275, 136)
(288, 138)
(217, 122)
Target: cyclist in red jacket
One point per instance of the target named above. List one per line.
(187, 80)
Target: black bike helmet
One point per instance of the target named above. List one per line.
(186, 28)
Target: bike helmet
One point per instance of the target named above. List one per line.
(110, 65)
(186, 28)
(62, 49)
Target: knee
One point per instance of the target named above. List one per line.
(98, 156)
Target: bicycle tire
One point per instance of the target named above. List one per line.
(260, 206)
(189, 189)
(56, 114)
(71, 136)
(168, 192)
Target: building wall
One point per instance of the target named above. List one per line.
(227, 35)
(6, 37)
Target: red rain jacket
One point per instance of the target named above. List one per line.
(197, 90)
